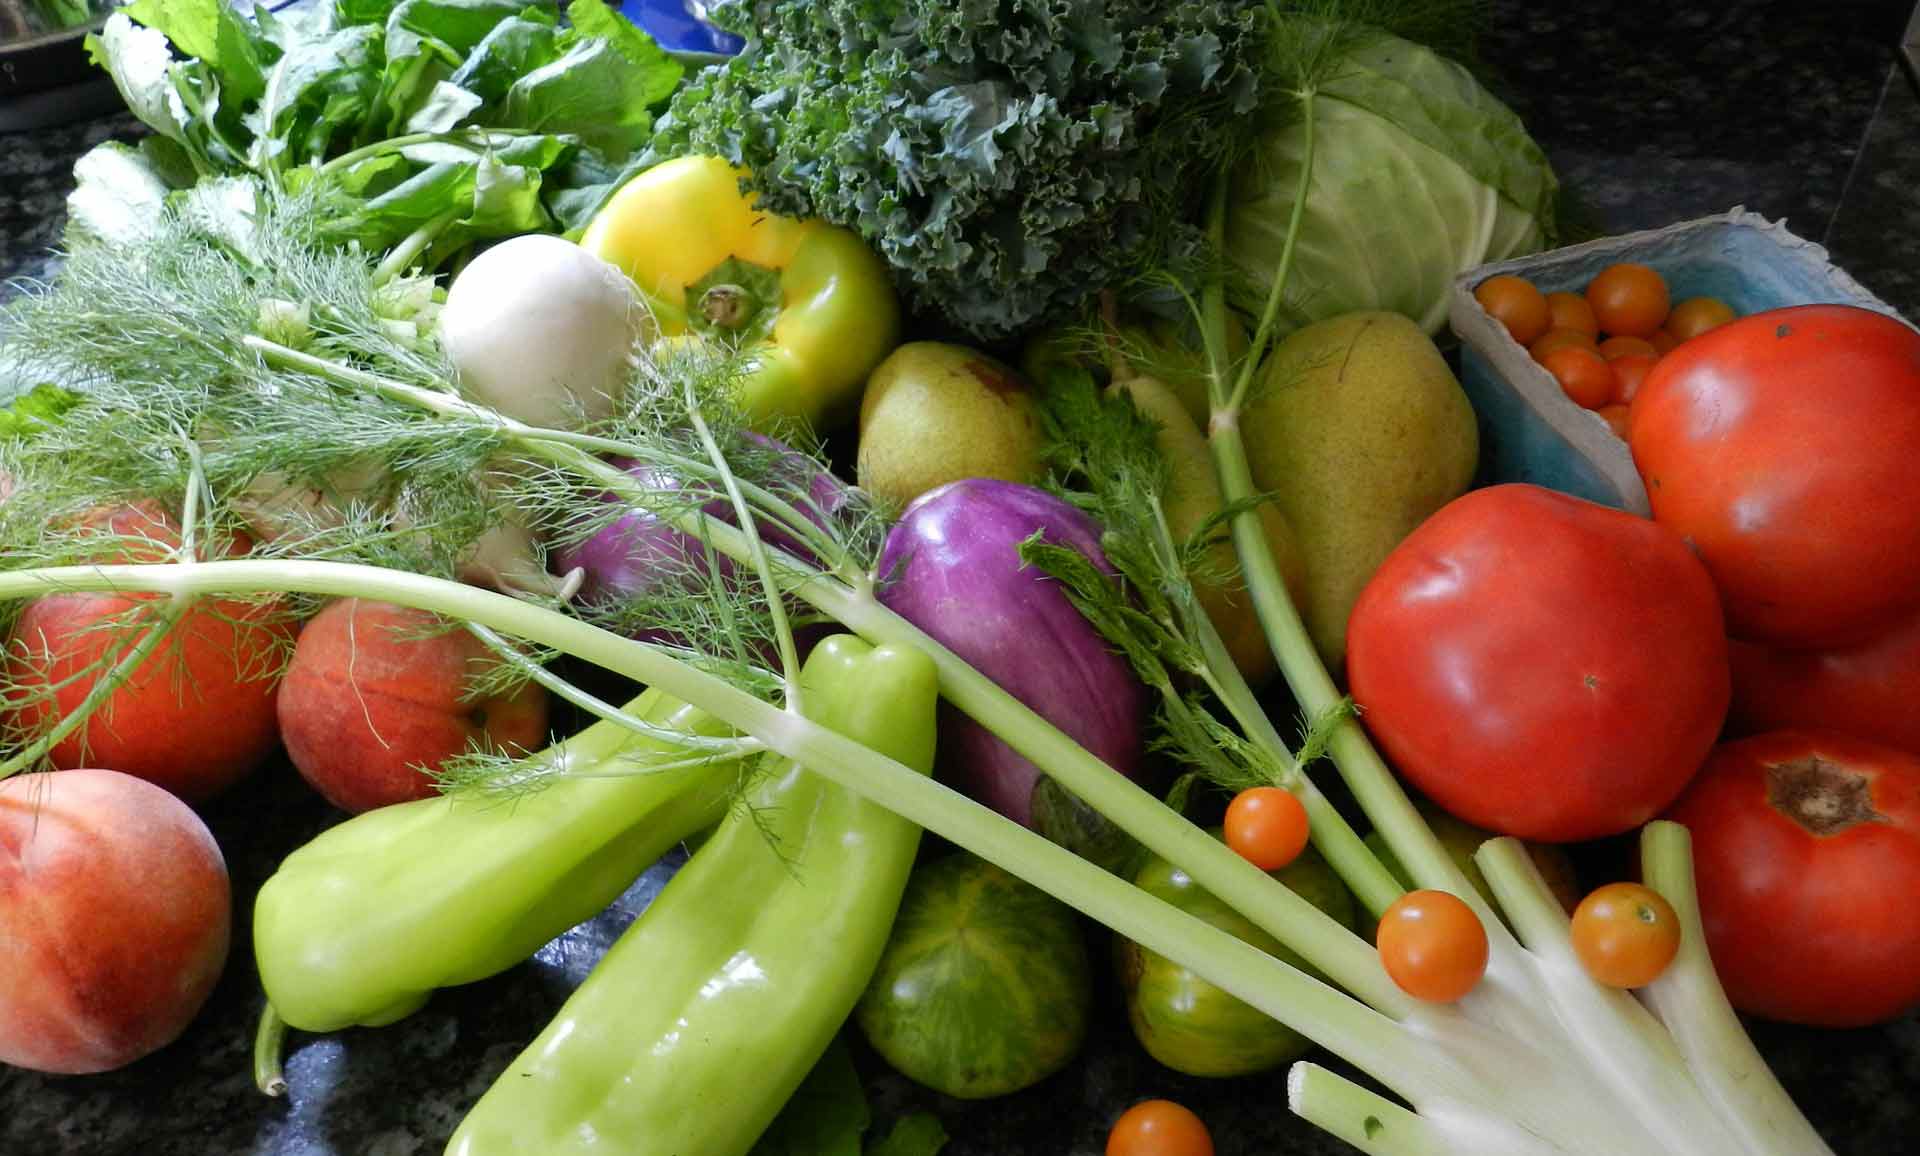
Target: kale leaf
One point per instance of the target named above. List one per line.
(1006, 157)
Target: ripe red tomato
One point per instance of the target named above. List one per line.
(1806, 849)
(1539, 665)
(1868, 690)
(1583, 374)
(1781, 446)
(1266, 826)
(1629, 300)
(1625, 934)
(1516, 304)
(1159, 1128)
(1432, 946)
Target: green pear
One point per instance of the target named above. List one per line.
(1193, 497)
(1361, 431)
(935, 413)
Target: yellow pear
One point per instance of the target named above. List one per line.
(935, 413)
(1192, 497)
(1361, 431)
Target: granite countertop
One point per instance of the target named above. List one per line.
(1651, 113)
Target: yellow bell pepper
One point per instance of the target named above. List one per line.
(809, 302)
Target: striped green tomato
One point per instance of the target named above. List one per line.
(984, 988)
(1187, 1023)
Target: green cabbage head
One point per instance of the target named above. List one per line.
(1418, 173)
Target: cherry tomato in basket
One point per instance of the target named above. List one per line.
(1868, 691)
(1781, 446)
(1625, 934)
(1159, 1128)
(1696, 315)
(1516, 304)
(1266, 826)
(1554, 339)
(1432, 945)
(1614, 348)
(1571, 311)
(1628, 375)
(1629, 299)
(1663, 340)
(1582, 374)
(1806, 849)
(1539, 665)
(1619, 419)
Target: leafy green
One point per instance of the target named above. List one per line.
(1416, 173)
(920, 1134)
(1006, 157)
(428, 124)
(35, 410)
(826, 1115)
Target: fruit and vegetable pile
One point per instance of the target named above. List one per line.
(975, 473)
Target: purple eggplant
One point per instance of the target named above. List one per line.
(633, 554)
(952, 567)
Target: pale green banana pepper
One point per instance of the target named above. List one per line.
(698, 1025)
(362, 924)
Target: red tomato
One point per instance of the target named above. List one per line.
(1628, 299)
(1629, 374)
(1625, 934)
(1432, 946)
(1618, 419)
(1571, 311)
(1806, 850)
(1553, 339)
(1782, 447)
(1516, 304)
(1266, 826)
(1869, 690)
(1614, 348)
(1696, 315)
(195, 717)
(1583, 375)
(1539, 665)
(1159, 1128)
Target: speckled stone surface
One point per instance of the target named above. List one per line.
(1651, 112)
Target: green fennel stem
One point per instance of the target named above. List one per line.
(1329, 1017)
(410, 247)
(1689, 1000)
(1321, 940)
(1371, 1123)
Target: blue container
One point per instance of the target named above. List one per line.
(1530, 431)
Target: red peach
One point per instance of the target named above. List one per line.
(375, 698)
(115, 915)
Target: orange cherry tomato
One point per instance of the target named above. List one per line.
(1628, 373)
(1571, 311)
(1614, 347)
(1266, 826)
(1432, 945)
(1616, 416)
(1582, 373)
(1625, 934)
(1159, 1128)
(1553, 339)
(1629, 300)
(1516, 304)
(1663, 340)
(1696, 315)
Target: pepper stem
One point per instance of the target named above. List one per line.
(727, 306)
(269, 1047)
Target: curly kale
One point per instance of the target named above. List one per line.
(1007, 157)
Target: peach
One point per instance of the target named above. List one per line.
(115, 915)
(195, 717)
(375, 697)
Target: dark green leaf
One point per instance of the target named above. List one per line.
(515, 47)
(34, 411)
(826, 1115)
(661, 73)
(577, 189)
(917, 1135)
(322, 90)
(592, 92)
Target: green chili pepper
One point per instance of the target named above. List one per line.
(363, 923)
(706, 1015)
